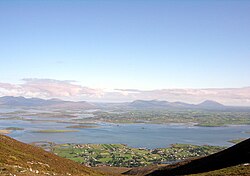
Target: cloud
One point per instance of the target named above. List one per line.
(48, 88)
(70, 90)
(227, 96)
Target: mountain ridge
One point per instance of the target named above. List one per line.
(11, 101)
(38, 102)
(207, 104)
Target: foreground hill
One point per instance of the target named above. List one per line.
(232, 161)
(17, 158)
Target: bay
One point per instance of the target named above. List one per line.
(133, 135)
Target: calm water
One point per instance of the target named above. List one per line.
(134, 135)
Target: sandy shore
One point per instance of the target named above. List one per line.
(5, 131)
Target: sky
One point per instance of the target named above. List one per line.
(102, 49)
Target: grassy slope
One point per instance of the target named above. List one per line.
(239, 170)
(17, 157)
(222, 163)
(26, 160)
(112, 171)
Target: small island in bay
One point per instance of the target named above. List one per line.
(82, 126)
(54, 131)
(14, 128)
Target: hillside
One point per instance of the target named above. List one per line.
(226, 162)
(22, 102)
(211, 105)
(150, 104)
(17, 158)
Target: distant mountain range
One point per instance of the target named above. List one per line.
(208, 104)
(10, 101)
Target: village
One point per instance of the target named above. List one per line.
(120, 155)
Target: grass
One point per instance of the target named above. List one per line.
(210, 124)
(200, 117)
(120, 155)
(235, 141)
(231, 161)
(17, 158)
(239, 170)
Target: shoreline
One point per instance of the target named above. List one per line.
(5, 131)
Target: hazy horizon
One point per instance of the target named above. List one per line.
(70, 90)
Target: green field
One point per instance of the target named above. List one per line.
(198, 117)
(235, 141)
(203, 118)
(120, 155)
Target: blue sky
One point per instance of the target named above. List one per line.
(145, 45)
